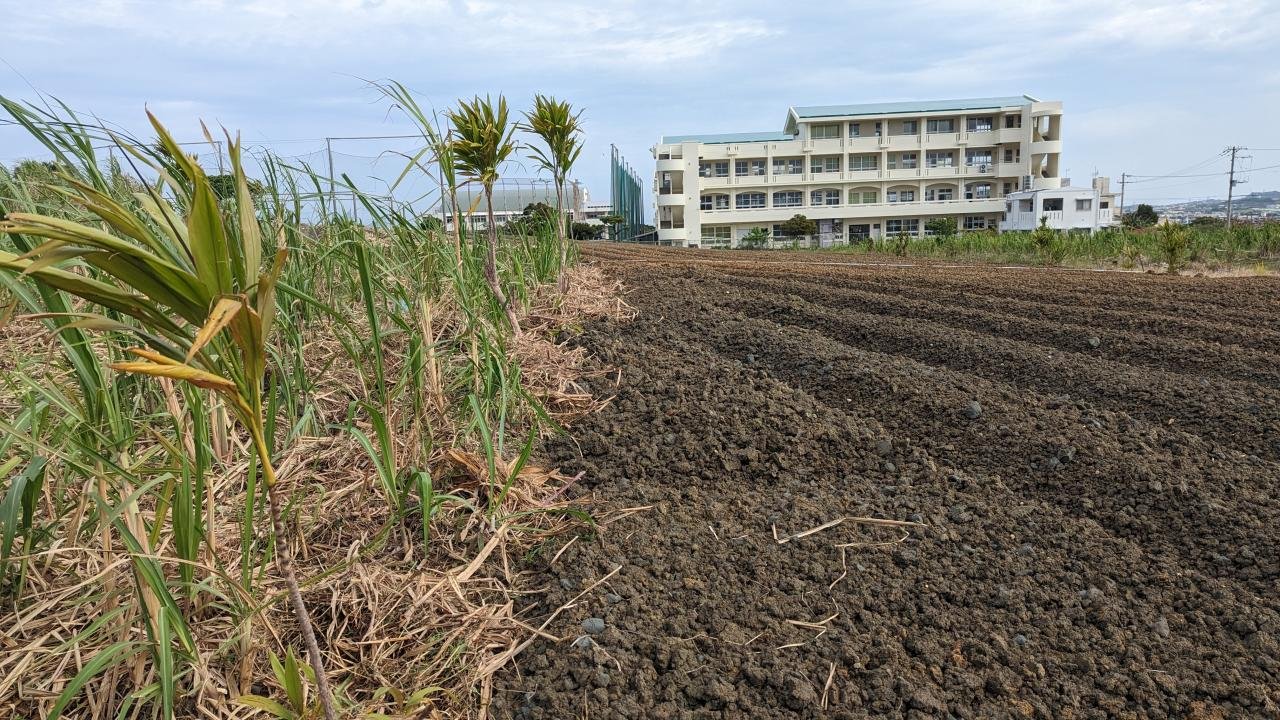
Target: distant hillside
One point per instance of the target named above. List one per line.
(1266, 200)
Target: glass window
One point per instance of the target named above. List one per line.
(862, 197)
(980, 124)
(825, 164)
(1051, 204)
(940, 194)
(894, 227)
(935, 158)
(824, 197)
(978, 191)
(1084, 204)
(901, 196)
(748, 167)
(717, 168)
(1013, 121)
(910, 127)
(788, 166)
(1012, 155)
(788, 198)
(975, 222)
(908, 161)
(822, 132)
(943, 125)
(863, 162)
(1024, 206)
(716, 232)
(714, 202)
(977, 157)
(749, 200)
(855, 130)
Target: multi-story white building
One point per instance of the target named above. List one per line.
(859, 171)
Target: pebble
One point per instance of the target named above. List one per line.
(1161, 627)
(566, 583)
(884, 448)
(890, 467)
(751, 358)
(583, 643)
(1020, 640)
(1026, 549)
(1095, 341)
(593, 626)
(973, 410)
(613, 598)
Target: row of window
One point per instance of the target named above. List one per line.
(985, 123)
(911, 226)
(1052, 204)
(829, 196)
(866, 161)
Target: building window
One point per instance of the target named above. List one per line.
(1012, 121)
(940, 194)
(749, 200)
(909, 226)
(714, 202)
(824, 132)
(862, 197)
(906, 161)
(788, 166)
(978, 191)
(1012, 155)
(864, 162)
(824, 197)
(717, 232)
(855, 130)
(975, 222)
(777, 232)
(980, 124)
(910, 127)
(978, 158)
(1024, 205)
(859, 232)
(1051, 204)
(895, 196)
(1104, 205)
(935, 158)
(944, 125)
(788, 198)
(1084, 204)
(1008, 188)
(718, 168)
(748, 167)
(825, 165)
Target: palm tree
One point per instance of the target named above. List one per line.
(193, 287)
(482, 141)
(558, 126)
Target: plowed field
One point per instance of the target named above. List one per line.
(1033, 494)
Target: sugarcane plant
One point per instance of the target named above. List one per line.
(484, 139)
(187, 271)
(560, 129)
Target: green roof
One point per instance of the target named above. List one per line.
(894, 108)
(728, 137)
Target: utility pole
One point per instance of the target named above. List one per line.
(333, 198)
(1231, 183)
(1122, 182)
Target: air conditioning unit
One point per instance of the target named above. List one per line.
(1026, 182)
(982, 168)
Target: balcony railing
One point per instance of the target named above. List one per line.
(884, 203)
(671, 224)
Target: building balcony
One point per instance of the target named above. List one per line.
(901, 173)
(670, 224)
(862, 174)
(665, 199)
(822, 146)
(1045, 147)
(714, 181)
(779, 213)
(942, 139)
(675, 235)
(670, 165)
(941, 171)
(905, 142)
(869, 143)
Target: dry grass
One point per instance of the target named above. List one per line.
(389, 618)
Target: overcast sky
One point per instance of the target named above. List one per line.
(1150, 88)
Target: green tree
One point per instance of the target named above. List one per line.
(943, 227)
(560, 130)
(756, 238)
(613, 221)
(224, 186)
(1143, 216)
(1172, 240)
(798, 226)
(483, 140)
(586, 231)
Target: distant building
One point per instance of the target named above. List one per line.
(510, 197)
(1107, 199)
(1065, 208)
(860, 171)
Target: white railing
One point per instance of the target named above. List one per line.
(930, 203)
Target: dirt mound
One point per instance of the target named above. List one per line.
(1078, 530)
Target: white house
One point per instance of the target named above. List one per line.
(1064, 208)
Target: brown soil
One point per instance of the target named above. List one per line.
(1101, 541)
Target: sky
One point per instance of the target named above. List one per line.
(1149, 88)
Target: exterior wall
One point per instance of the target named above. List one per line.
(1026, 153)
(1017, 217)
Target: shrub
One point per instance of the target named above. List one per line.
(756, 238)
(1171, 239)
